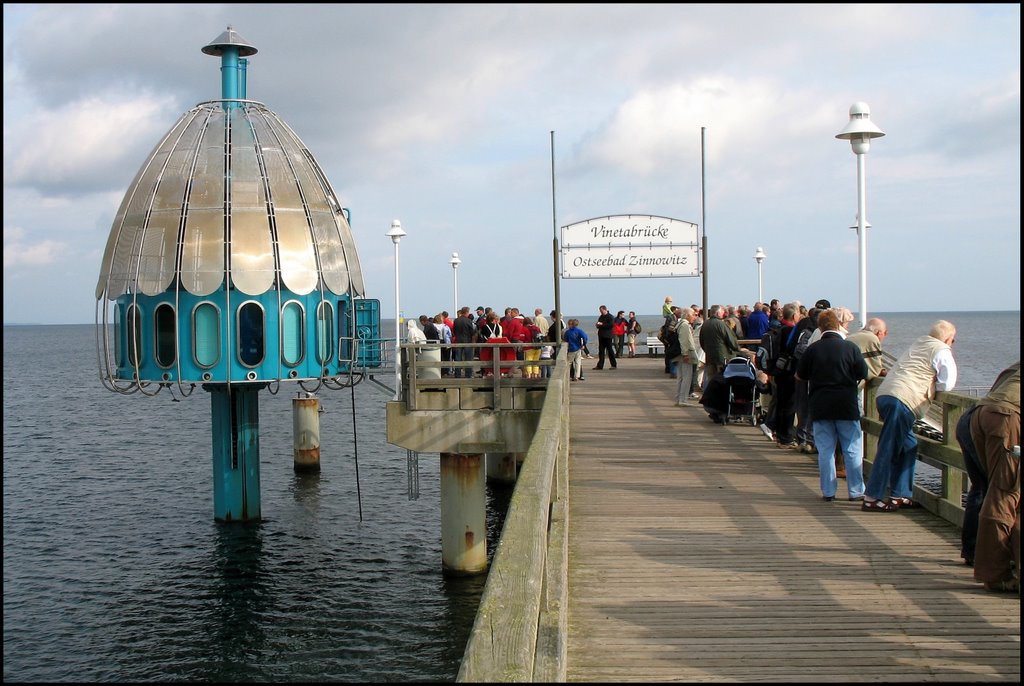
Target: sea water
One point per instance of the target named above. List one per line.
(115, 569)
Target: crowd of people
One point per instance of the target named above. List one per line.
(810, 371)
(459, 339)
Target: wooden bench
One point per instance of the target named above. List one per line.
(655, 347)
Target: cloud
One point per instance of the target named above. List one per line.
(18, 253)
(84, 146)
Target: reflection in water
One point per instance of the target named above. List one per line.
(462, 593)
(305, 488)
(236, 617)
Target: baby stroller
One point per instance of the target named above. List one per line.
(744, 396)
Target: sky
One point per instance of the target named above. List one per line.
(486, 128)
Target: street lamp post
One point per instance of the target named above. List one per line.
(395, 234)
(455, 262)
(859, 131)
(759, 258)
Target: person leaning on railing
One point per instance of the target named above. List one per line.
(903, 397)
(995, 430)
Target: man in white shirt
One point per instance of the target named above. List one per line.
(903, 398)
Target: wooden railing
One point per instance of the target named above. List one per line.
(522, 623)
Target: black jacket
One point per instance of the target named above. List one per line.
(833, 367)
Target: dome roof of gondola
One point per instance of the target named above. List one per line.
(230, 198)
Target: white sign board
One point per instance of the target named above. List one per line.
(630, 246)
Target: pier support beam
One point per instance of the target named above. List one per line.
(306, 432)
(501, 467)
(235, 415)
(463, 515)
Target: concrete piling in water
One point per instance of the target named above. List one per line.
(306, 432)
(463, 515)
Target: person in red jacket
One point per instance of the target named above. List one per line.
(619, 326)
(515, 330)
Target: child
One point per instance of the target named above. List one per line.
(546, 351)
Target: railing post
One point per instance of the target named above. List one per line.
(412, 376)
(955, 482)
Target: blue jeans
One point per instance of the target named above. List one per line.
(979, 486)
(463, 355)
(827, 432)
(896, 458)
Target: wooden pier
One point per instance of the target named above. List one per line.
(701, 552)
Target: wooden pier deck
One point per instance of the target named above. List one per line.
(701, 552)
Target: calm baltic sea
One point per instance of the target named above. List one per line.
(114, 569)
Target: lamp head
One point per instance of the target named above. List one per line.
(396, 233)
(759, 255)
(860, 129)
(455, 261)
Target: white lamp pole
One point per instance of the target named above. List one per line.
(455, 262)
(759, 258)
(395, 234)
(859, 131)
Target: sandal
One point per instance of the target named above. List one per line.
(878, 506)
(903, 502)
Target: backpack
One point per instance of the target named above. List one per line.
(636, 326)
(671, 341)
(802, 341)
(770, 358)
